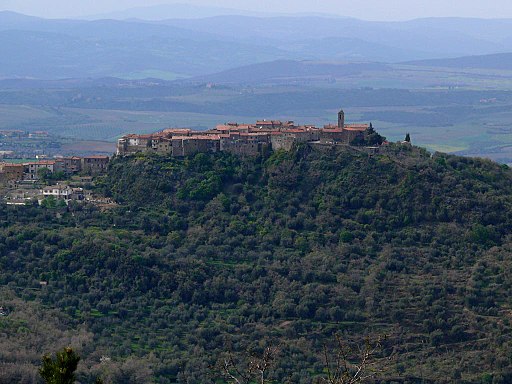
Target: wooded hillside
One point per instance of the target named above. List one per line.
(290, 248)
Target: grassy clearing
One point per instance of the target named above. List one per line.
(445, 148)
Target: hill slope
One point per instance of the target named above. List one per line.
(291, 248)
(501, 61)
(289, 71)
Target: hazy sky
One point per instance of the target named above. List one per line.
(364, 9)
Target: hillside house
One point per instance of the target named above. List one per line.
(68, 165)
(11, 173)
(63, 192)
(94, 164)
(32, 169)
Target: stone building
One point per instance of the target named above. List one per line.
(286, 138)
(94, 164)
(32, 169)
(190, 145)
(331, 134)
(250, 143)
(68, 165)
(10, 173)
(134, 143)
(244, 139)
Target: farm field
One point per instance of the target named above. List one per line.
(467, 111)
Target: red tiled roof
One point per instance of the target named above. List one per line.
(297, 130)
(268, 122)
(333, 130)
(96, 157)
(197, 137)
(360, 127)
(148, 136)
(177, 130)
(41, 162)
(232, 127)
(69, 158)
(255, 133)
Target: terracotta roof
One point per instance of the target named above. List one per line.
(297, 130)
(232, 127)
(59, 187)
(197, 137)
(262, 129)
(41, 162)
(268, 122)
(255, 133)
(67, 158)
(359, 127)
(333, 130)
(177, 130)
(96, 157)
(134, 136)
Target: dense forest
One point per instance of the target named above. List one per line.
(217, 253)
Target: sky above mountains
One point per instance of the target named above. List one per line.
(363, 9)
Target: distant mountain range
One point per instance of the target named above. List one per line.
(289, 70)
(175, 11)
(499, 61)
(32, 47)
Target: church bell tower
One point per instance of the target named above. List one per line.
(341, 119)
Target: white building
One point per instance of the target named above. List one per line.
(64, 192)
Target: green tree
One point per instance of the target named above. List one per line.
(50, 202)
(60, 370)
(43, 174)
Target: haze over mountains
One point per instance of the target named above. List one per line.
(32, 47)
(174, 11)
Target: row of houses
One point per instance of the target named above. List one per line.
(245, 139)
(31, 170)
(28, 194)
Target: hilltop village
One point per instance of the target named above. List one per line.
(62, 178)
(246, 139)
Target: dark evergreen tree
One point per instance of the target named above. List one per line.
(60, 370)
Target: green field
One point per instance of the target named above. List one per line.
(461, 111)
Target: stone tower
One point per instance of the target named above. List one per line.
(341, 119)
